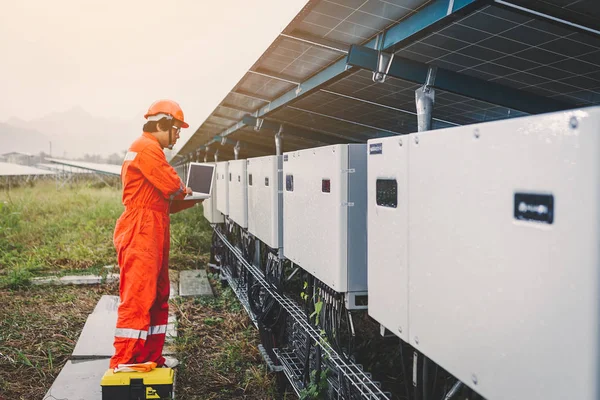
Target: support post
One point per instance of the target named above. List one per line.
(425, 99)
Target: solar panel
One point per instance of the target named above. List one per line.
(264, 87)
(584, 12)
(8, 169)
(355, 21)
(298, 60)
(496, 43)
(110, 169)
(344, 130)
(517, 50)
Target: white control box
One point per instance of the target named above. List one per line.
(504, 254)
(209, 205)
(324, 214)
(265, 202)
(222, 173)
(238, 192)
(388, 233)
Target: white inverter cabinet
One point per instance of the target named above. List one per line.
(388, 233)
(223, 187)
(504, 254)
(238, 193)
(324, 215)
(209, 205)
(264, 200)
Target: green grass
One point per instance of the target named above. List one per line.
(48, 231)
(45, 230)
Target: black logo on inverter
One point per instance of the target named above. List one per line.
(376, 148)
(534, 207)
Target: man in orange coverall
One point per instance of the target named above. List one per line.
(151, 190)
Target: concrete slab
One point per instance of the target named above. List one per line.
(171, 328)
(107, 304)
(75, 280)
(194, 283)
(96, 339)
(79, 380)
(174, 292)
(51, 280)
(174, 282)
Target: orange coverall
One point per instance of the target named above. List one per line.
(151, 188)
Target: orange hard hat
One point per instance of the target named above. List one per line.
(168, 107)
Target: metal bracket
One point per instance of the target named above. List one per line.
(236, 150)
(425, 99)
(259, 122)
(384, 62)
(217, 155)
(278, 137)
(348, 171)
(348, 204)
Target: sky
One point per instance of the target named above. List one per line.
(113, 58)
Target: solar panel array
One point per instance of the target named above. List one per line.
(494, 42)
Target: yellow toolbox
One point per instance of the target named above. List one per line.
(156, 384)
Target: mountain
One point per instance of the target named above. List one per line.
(22, 140)
(73, 133)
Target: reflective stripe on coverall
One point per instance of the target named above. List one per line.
(142, 241)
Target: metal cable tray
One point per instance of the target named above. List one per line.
(351, 371)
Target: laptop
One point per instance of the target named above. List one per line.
(200, 180)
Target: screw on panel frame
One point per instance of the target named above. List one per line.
(573, 122)
(416, 140)
(476, 133)
(400, 142)
(474, 379)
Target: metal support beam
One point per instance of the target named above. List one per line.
(454, 82)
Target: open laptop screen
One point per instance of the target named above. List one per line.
(200, 177)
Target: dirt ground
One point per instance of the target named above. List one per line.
(216, 343)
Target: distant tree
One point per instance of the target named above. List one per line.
(115, 158)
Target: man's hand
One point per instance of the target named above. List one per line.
(188, 190)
